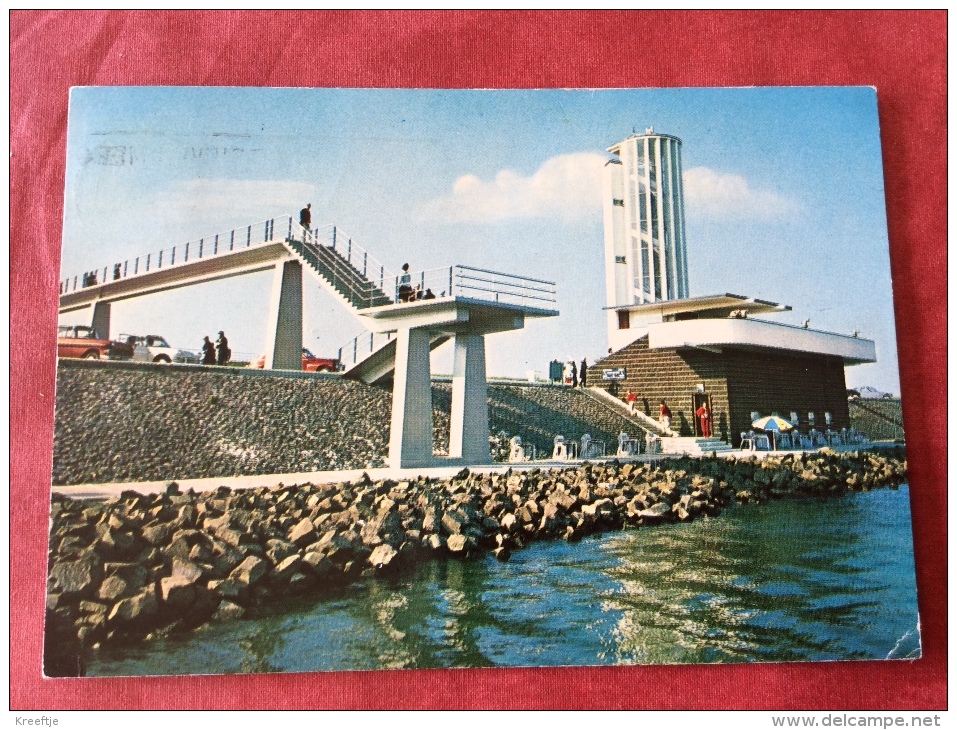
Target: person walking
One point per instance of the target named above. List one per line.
(630, 399)
(305, 219)
(664, 414)
(574, 375)
(583, 373)
(209, 352)
(222, 349)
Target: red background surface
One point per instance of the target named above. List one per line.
(902, 54)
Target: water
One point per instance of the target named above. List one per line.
(787, 581)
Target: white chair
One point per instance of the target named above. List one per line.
(626, 446)
(747, 441)
(516, 451)
(560, 449)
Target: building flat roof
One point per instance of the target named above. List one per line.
(755, 334)
(718, 302)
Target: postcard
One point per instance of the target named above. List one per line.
(401, 379)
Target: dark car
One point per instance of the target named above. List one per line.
(84, 342)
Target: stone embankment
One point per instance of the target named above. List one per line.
(137, 566)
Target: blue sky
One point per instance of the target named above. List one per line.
(784, 199)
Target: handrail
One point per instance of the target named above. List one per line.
(350, 351)
(213, 245)
(357, 275)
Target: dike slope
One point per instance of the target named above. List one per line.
(152, 423)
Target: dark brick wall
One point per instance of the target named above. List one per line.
(738, 382)
(670, 375)
(781, 384)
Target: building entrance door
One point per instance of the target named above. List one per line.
(702, 415)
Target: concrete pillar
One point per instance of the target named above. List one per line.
(410, 440)
(468, 432)
(284, 334)
(101, 320)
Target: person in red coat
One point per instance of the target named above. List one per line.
(704, 419)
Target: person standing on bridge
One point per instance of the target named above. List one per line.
(222, 349)
(405, 285)
(209, 352)
(305, 219)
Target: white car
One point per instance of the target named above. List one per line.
(154, 348)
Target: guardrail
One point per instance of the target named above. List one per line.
(364, 279)
(474, 283)
(361, 346)
(217, 244)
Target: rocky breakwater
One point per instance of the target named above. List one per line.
(139, 566)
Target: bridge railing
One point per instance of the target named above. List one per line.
(363, 277)
(362, 346)
(474, 283)
(217, 244)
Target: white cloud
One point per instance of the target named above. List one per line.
(726, 196)
(566, 186)
(569, 187)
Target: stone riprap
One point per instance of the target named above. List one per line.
(137, 566)
(155, 424)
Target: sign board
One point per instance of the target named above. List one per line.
(614, 373)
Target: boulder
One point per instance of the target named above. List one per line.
(228, 611)
(177, 592)
(382, 556)
(303, 533)
(457, 543)
(77, 578)
(137, 608)
(287, 568)
(115, 588)
(250, 571)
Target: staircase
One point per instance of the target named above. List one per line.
(344, 278)
(377, 364)
(372, 361)
(644, 422)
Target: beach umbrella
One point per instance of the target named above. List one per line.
(772, 424)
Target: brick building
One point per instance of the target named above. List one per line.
(712, 351)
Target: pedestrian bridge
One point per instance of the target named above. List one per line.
(454, 302)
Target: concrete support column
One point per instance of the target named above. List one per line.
(410, 440)
(468, 432)
(284, 334)
(101, 320)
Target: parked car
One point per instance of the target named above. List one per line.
(154, 348)
(84, 342)
(310, 363)
(873, 393)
